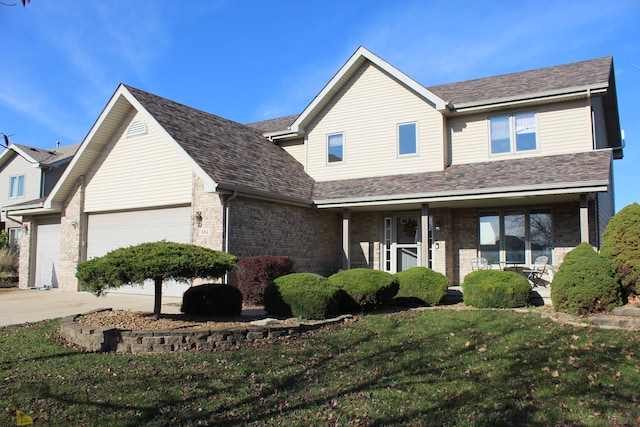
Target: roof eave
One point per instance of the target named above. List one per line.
(471, 194)
(555, 95)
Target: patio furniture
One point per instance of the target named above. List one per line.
(534, 274)
(480, 264)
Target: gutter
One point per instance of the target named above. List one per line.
(556, 95)
(463, 195)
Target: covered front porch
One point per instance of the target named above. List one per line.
(447, 235)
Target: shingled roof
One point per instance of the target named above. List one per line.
(526, 83)
(48, 156)
(577, 169)
(274, 125)
(235, 156)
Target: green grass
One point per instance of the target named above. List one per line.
(436, 368)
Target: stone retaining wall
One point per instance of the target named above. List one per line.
(170, 340)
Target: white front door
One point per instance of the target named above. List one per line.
(401, 242)
(47, 266)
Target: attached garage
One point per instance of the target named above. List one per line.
(47, 268)
(109, 231)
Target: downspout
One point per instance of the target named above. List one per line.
(227, 227)
(592, 115)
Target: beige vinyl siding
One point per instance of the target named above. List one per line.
(367, 110)
(138, 172)
(17, 165)
(561, 129)
(296, 149)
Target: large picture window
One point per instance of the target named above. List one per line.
(513, 133)
(515, 236)
(335, 147)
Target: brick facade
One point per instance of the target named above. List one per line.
(310, 236)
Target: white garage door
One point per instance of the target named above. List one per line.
(110, 231)
(47, 253)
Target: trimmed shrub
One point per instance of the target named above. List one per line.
(585, 283)
(302, 295)
(365, 289)
(423, 284)
(212, 300)
(255, 273)
(621, 245)
(496, 289)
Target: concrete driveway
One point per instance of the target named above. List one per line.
(31, 305)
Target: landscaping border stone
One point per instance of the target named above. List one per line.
(177, 340)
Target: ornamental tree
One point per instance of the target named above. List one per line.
(157, 261)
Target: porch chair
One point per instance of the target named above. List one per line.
(480, 264)
(539, 267)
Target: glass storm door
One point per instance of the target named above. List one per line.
(401, 248)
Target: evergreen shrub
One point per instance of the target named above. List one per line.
(423, 284)
(496, 289)
(585, 283)
(255, 273)
(212, 300)
(621, 245)
(365, 289)
(302, 295)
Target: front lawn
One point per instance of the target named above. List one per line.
(444, 367)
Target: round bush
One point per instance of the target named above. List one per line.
(423, 284)
(302, 295)
(621, 245)
(212, 300)
(496, 289)
(585, 283)
(365, 288)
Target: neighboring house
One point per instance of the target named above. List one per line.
(377, 172)
(28, 173)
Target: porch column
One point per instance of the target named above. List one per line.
(346, 238)
(584, 218)
(424, 236)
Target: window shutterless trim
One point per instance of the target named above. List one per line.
(328, 148)
(416, 139)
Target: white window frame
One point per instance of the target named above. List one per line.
(513, 132)
(417, 144)
(328, 158)
(16, 186)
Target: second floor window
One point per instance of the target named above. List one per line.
(407, 139)
(513, 133)
(16, 186)
(335, 147)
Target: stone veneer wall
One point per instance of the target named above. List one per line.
(310, 236)
(177, 340)
(465, 240)
(365, 229)
(70, 238)
(566, 230)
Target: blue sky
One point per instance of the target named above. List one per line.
(254, 60)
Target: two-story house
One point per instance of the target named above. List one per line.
(378, 172)
(28, 173)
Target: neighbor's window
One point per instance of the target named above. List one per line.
(407, 139)
(513, 133)
(16, 186)
(335, 147)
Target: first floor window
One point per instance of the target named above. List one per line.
(513, 133)
(407, 139)
(335, 147)
(16, 186)
(14, 238)
(515, 236)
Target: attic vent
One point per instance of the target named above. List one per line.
(136, 128)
